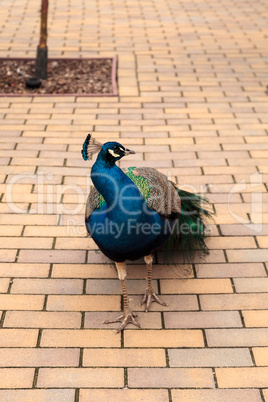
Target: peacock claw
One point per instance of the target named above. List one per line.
(150, 297)
(126, 318)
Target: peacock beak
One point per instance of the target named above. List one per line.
(129, 151)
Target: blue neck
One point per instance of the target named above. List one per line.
(115, 187)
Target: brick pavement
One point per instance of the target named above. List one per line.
(192, 102)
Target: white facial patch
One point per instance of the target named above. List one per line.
(113, 153)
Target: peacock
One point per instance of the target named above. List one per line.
(131, 213)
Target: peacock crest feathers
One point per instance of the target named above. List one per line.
(90, 147)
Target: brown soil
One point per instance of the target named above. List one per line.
(65, 76)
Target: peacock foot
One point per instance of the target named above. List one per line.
(150, 297)
(126, 318)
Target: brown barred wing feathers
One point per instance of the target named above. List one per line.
(160, 194)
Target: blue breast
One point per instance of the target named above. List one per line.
(124, 228)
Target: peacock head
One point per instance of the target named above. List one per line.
(110, 151)
(113, 151)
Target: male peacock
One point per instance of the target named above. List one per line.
(132, 213)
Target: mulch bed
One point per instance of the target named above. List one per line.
(65, 76)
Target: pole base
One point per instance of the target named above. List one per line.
(33, 83)
(41, 63)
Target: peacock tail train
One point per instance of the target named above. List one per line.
(190, 230)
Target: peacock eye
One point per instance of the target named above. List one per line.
(116, 149)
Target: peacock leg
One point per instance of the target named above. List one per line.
(150, 296)
(128, 317)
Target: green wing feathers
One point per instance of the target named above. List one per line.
(140, 181)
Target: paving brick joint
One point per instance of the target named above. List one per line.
(192, 102)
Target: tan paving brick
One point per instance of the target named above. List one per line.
(83, 271)
(81, 377)
(8, 255)
(231, 242)
(36, 161)
(202, 319)
(219, 395)
(39, 357)
(16, 377)
(166, 156)
(47, 286)
(196, 286)
(262, 241)
(163, 338)
(260, 356)
(121, 395)
(42, 319)
(32, 219)
(170, 377)
(252, 377)
(256, 318)
(247, 255)
(251, 285)
(41, 395)
(230, 270)
(79, 338)
(49, 231)
(265, 394)
(237, 337)
(229, 170)
(11, 230)
(248, 301)
(209, 357)
(4, 284)
(84, 303)
(124, 358)
(52, 256)
(18, 337)
(241, 230)
(21, 302)
(24, 270)
(230, 219)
